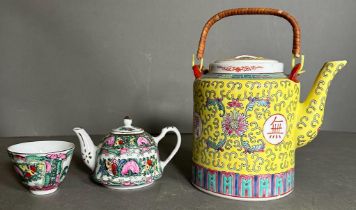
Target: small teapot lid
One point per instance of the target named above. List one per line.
(246, 64)
(127, 128)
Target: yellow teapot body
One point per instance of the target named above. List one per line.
(248, 121)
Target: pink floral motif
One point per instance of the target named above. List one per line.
(61, 156)
(234, 124)
(130, 166)
(145, 149)
(149, 179)
(123, 151)
(58, 178)
(48, 167)
(235, 103)
(127, 183)
(110, 141)
(142, 141)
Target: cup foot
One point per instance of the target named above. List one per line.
(43, 192)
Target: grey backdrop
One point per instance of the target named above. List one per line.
(90, 63)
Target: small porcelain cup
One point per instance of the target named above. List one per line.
(42, 165)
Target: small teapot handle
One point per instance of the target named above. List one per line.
(176, 148)
(250, 11)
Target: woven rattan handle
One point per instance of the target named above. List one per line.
(251, 11)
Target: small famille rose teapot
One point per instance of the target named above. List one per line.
(128, 158)
(248, 119)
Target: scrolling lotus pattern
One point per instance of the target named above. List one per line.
(234, 124)
(250, 128)
(233, 114)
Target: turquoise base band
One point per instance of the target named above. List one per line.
(235, 185)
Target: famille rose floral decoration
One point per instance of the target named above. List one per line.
(42, 166)
(128, 158)
(50, 165)
(248, 120)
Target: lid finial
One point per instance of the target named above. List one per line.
(127, 121)
(127, 128)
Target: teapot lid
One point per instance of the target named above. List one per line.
(246, 64)
(127, 128)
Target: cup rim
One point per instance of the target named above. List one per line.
(14, 150)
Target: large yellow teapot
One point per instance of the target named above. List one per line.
(248, 120)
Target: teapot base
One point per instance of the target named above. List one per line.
(128, 187)
(240, 198)
(247, 187)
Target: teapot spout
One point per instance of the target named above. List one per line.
(88, 149)
(311, 111)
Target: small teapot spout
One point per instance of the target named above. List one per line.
(311, 111)
(88, 149)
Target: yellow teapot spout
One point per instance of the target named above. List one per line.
(311, 111)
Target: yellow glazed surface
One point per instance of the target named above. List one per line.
(253, 126)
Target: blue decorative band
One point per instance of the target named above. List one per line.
(243, 186)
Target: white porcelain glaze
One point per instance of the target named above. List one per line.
(41, 165)
(128, 158)
(34, 147)
(246, 64)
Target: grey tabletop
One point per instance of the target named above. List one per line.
(325, 179)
